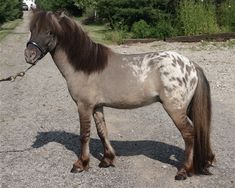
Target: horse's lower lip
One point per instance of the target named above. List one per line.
(32, 62)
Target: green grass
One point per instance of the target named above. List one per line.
(98, 33)
(227, 44)
(103, 34)
(8, 27)
(207, 45)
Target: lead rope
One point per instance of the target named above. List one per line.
(20, 74)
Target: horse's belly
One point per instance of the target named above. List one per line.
(132, 100)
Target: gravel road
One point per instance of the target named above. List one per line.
(39, 128)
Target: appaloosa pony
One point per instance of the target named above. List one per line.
(97, 77)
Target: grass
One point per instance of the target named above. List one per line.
(103, 34)
(209, 45)
(8, 27)
(98, 33)
(227, 44)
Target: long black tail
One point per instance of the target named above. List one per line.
(200, 114)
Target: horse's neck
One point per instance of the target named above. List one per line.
(62, 63)
(76, 80)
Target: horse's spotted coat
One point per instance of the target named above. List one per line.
(181, 82)
(177, 73)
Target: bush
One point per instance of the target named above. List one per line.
(127, 12)
(197, 17)
(163, 29)
(227, 15)
(54, 5)
(141, 29)
(10, 10)
(116, 36)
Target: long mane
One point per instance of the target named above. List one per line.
(83, 53)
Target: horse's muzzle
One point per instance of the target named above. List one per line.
(31, 55)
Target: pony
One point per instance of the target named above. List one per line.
(98, 77)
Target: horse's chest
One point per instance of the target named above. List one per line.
(80, 90)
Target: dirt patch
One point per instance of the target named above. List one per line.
(39, 129)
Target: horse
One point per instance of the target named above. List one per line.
(98, 77)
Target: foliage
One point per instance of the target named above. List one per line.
(7, 27)
(116, 36)
(227, 15)
(98, 33)
(141, 29)
(127, 12)
(74, 7)
(197, 17)
(10, 10)
(151, 18)
(164, 29)
(83, 4)
(69, 5)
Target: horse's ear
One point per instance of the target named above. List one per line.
(60, 14)
(35, 10)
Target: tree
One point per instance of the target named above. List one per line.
(70, 5)
(83, 4)
(127, 12)
(10, 10)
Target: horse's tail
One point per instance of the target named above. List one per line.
(200, 114)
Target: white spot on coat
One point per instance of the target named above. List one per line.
(140, 68)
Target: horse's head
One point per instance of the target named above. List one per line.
(44, 28)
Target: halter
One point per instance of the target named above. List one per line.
(43, 52)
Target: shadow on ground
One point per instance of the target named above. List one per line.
(162, 152)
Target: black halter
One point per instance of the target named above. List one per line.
(43, 52)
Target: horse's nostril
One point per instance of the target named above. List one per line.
(30, 54)
(33, 54)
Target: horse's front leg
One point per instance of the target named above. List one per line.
(82, 163)
(109, 154)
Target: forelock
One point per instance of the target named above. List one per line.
(43, 21)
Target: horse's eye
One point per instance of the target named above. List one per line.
(49, 33)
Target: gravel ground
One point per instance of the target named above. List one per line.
(39, 129)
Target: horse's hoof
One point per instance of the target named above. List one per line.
(190, 174)
(180, 177)
(105, 163)
(80, 166)
(206, 171)
(75, 169)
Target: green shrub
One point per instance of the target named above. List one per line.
(10, 10)
(53, 5)
(127, 12)
(116, 36)
(197, 17)
(141, 29)
(226, 17)
(163, 29)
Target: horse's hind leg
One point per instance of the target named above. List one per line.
(185, 127)
(109, 154)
